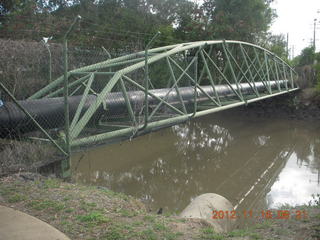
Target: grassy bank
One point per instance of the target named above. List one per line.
(86, 212)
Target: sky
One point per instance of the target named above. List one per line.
(296, 17)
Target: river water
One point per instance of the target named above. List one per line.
(254, 162)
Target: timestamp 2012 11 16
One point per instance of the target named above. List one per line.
(266, 214)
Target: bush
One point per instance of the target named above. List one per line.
(24, 65)
(317, 74)
(23, 156)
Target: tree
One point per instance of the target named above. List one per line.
(307, 57)
(276, 44)
(119, 20)
(232, 19)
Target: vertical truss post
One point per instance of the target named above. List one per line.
(66, 163)
(252, 64)
(146, 81)
(106, 52)
(268, 73)
(210, 77)
(82, 102)
(249, 69)
(175, 84)
(263, 76)
(203, 69)
(184, 72)
(285, 76)
(232, 71)
(108, 55)
(195, 83)
(291, 76)
(127, 100)
(50, 59)
(271, 66)
(223, 76)
(241, 72)
(277, 75)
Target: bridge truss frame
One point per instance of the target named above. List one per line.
(242, 63)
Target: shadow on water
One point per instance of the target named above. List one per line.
(266, 162)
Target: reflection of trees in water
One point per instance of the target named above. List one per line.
(196, 135)
(203, 156)
(181, 172)
(307, 148)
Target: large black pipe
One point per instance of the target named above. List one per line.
(49, 112)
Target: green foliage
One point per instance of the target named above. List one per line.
(277, 44)
(240, 21)
(118, 21)
(317, 69)
(307, 57)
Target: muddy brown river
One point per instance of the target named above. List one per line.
(254, 162)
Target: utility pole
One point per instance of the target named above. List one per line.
(292, 56)
(314, 34)
(288, 53)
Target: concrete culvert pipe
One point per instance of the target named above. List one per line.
(203, 207)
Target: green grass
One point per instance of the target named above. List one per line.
(16, 198)
(209, 233)
(110, 193)
(147, 234)
(126, 213)
(264, 225)
(93, 217)
(51, 183)
(115, 232)
(160, 227)
(46, 205)
(69, 210)
(238, 233)
(149, 218)
(5, 191)
(172, 235)
(87, 206)
(137, 223)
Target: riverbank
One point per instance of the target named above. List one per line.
(301, 105)
(87, 212)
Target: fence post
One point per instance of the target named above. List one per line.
(46, 44)
(66, 163)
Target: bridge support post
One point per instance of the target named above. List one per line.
(146, 81)
(66, 162)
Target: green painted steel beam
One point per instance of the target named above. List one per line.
(82, 102)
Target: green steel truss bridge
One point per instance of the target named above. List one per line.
(130, 95)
